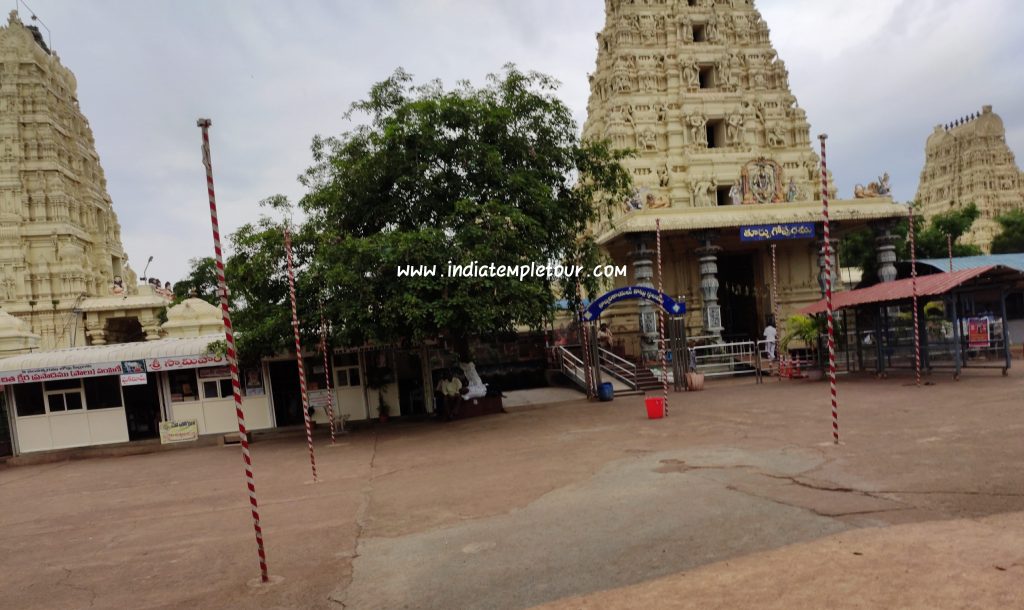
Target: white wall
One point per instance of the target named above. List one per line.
(217, 416)
(74, 429)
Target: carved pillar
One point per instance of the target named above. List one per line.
(96, 330)
(708, 254)
(886, 256)
(150, 326)
(643, 272)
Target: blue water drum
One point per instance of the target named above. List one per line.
(605, 392)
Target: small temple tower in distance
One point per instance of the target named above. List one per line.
(968, 161)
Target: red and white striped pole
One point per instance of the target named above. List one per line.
(913, 292)
(661, 317)
(828, 294)
(949, 248)
(298, 351)
(776, 362)
(327, 372)
(585, 342)
(229, 338)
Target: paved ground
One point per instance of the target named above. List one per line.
(739, 499)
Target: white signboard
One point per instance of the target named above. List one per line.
(71, 371)
(173, 363)
(133, 379)
(318, 398)
(180, 431)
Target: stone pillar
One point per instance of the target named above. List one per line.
(96, 329)
(150, 326)
(886, 256)
(708, 254)
(643, 273)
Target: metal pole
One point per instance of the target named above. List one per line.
(298, 351)
(229, 338)
(828, 294)
(661, 317)
(775, 312)
(584, 343)
(949, 247)
(913, 292)
(327, 372)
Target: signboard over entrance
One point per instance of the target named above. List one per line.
(670, 305)
(792, 230)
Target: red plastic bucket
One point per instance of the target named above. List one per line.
(655, 407)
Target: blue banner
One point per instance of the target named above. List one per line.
(793, 230)
(670, 305)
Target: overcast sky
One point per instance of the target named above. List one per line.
(876, 75)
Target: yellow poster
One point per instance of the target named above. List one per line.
(180, 431)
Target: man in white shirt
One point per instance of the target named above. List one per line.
(770, 337)
(451, 390)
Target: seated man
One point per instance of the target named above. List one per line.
(451, 390)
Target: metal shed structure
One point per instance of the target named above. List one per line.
(962, 321)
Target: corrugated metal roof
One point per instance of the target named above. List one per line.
(1014, 261)
(118, 352)
(928, 285)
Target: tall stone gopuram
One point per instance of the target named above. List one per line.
(968, 161)
(696, 89)
(60, 242)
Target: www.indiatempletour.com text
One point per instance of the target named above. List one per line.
(521, 272)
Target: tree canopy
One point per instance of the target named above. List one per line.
(200, 282)
(491, 174)
(1010, 239)
(859, 249)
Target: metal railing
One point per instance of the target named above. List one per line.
(570, 364)
(618, 367)
(728, 359)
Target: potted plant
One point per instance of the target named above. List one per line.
(806, 330)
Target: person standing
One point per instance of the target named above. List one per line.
(770, 339)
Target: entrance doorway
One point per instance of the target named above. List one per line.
(737, 294)
(142, 409)
(284, 386)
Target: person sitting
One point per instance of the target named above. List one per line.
(451, 392)
(475, 387)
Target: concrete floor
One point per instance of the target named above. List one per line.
(739, 499)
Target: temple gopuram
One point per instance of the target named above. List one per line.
(63, 270)
(725, 161)
(967, 161)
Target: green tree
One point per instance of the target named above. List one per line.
(858, 248)
(495, 174)
(200, 282)
(1010, 238)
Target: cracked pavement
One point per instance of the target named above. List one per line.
(562, 502)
